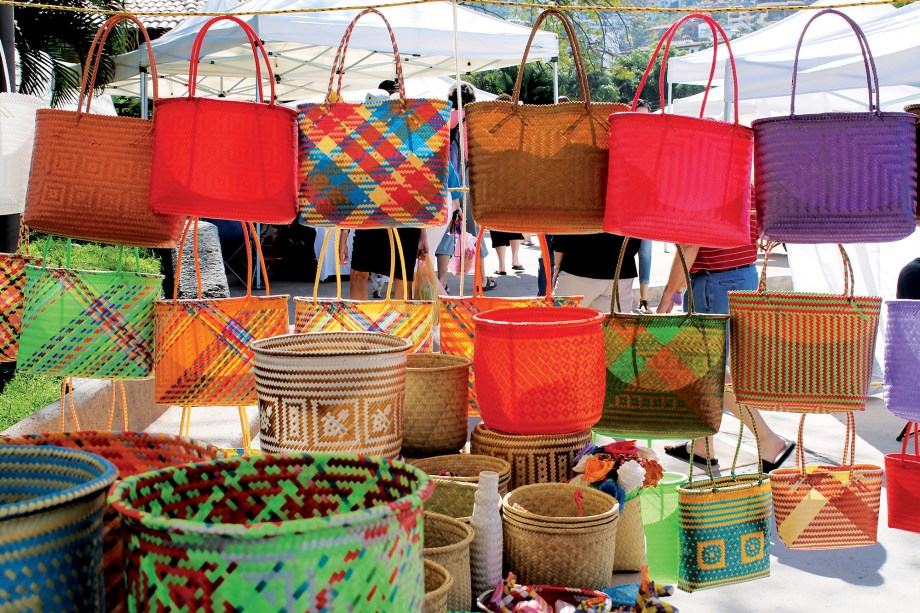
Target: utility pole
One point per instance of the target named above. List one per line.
(9, 224)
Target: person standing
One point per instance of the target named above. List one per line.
(371, 254)
(500, 242)
(585, 265)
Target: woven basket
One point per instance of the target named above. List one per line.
(902, 335)
(12, 299)
(534, 458)
(915, 109)
(902, 476)
(438, 583)
(466, 467)
(51, 502)
(556, 543)
(338, 392)
(447, 543)
(343, 529)
(630, 551)
(434, 418)
(452, 498)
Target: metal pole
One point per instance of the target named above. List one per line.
(555, 62)
(9, 224)
(145, 112)
(258, 236)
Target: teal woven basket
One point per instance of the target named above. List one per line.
(299, 532)
(51, 502)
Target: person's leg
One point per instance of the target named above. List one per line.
(500, 252)
(645, 272)
(591, 289)
(515, 252)
(443, 263)
(357, 284)
(626, 295)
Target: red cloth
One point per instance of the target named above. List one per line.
(714, 259)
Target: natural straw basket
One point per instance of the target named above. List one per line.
(437, 390)
(51, 502)
(334, 392)
(630, 551)
(437, 588)
(465, 467)
(452, 498)
(541, 458)
(554, 542)
(447, 542)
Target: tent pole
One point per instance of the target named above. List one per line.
(464, 183)
(555, 62)
(145, 112)
(730, 91)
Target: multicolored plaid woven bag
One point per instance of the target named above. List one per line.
(88, 323)
(803, 352)
(377, 164)
(12, 300)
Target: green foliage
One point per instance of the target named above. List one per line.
(130, 106)
(536, 85)
(92, 256)
(25, 394)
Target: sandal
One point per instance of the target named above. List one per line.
(770, 466)
(518, 267)
(489, 284)
(682, 452)
(500, 272)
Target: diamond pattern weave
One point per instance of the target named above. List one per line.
(12, 285)
(410, 319)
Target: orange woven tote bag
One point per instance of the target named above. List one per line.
(72, 189)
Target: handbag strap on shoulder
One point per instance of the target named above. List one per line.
(576, 56)
(338, 65)
(257, 49)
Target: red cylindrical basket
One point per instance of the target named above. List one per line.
(902, 471)
(539, 371)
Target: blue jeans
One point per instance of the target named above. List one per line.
(710, 289)
(645, 262)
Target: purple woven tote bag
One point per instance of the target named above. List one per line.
(837, 177)
(902, 358)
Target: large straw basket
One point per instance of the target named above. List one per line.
(132, 453)
(452, 498)
(557, 539)
(51, 502)
(466, 467)
(447, 543)
(244, 531)
(541, 458)
(437, 390)
(437, 588)
(630, 551)
(331, 392)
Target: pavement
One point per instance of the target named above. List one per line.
(837, 580)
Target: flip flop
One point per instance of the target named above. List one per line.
(771, 466)
(518, 267)
(500, 272)
(682, 453)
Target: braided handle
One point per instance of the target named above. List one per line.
(257, 48)
(338, 65)
(249, 233)
(615, 298)
(849, 277)
(576, 56)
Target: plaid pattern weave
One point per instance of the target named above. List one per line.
(80, 323)
(12, 286)
(203, 357)
(408, 319)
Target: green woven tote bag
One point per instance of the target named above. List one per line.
(665, 373)
(88, 323)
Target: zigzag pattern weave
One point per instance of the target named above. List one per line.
(665, 375)
(51, 503)
(458, 329)
(902, 359)
(12, 302)
(724, 531)
(801, 352)
(375, 165)
(830, 507)
(836, 177)
(203, 354)
(334, 392)
(408, 319)
(80, 323)
(305, 532)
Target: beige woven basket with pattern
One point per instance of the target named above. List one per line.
(465, 467)
(436, 405)
(437, 587)
(452, 498)
(447, 542)
(630, 551)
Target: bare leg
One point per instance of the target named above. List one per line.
(398, 290)
(515, 250)
(443, 262)
(500, 251)
(357, 286)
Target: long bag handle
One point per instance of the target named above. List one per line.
(477, 272)
(338, 65)
(712, 478)
(7, 74)
(913, 429)
(849, 277)
(868, 60)
(615, 298)
(849, 447)
(394, 238)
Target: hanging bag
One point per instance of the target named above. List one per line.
(803, 352)
(902, 476)
(692, 182)
(837, 177)
(915, 110)
(373, 164)
(540, 168)
(90, 174)
(665, 373)
(17, 135)
(902, 359)
(226, 159)
(12, 288)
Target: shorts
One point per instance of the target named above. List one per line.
(371, 251)
(503, 239)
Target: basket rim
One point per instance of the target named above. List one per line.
(325, 300)
(262, 297)
(503, 475)
(259, 530)
(452, 362)
(784, 473)
(447, 519)
(529, 438)
(99, 273)
(847, 116)
(588, 316)
(445, 586)
(392, 344)
(106, 475)
(508, 504)
(704, 486)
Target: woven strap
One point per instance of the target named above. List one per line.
(615, 299)
(96, 48)
(712, 478)
(849, 277)
(257, 49)
(395, 245)
(913, 429)
(249, 233)
(576, 56)
(338, 65)
(868, 60)
(477, 274)
(849, 446)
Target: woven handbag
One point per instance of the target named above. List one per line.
(17, 135)
(12, 300)
(456, 313)
(902, 482)
(72, 189)
(540, 168)
(408, 319)
(915, 109)
(88, 323)
(665, 373)
(803, 352)
(225, 159)
(902, 360)
(376, 164)
(827, 507)
(51, 503)
(837, 177)
(447, 543)
(692, 184)
(301, 532)
(724, 527)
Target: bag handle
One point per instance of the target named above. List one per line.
(338, 65)
(914, 427)
(394, 238)
(96, 48)
(7, 76)
(257, 48)
(848, 459)
(576, 56)
(477, 273)
(712, 478)
(22, 244)
(868, 60)
(849, 277)
(615, 298)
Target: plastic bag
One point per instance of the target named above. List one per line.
(469, 255)
(426, 285)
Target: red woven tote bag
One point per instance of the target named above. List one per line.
(693, 182)
(225, 159)
(902, 473)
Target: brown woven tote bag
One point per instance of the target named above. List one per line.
(540, 168)
(73, 190)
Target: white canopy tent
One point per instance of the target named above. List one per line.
(302, 47)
